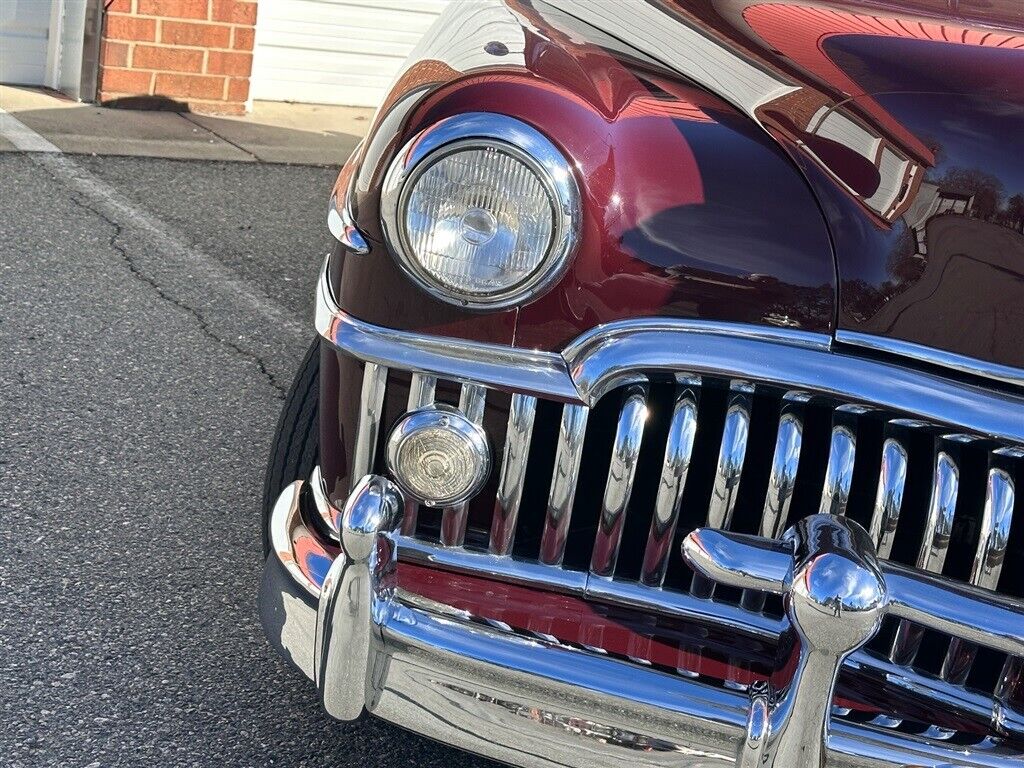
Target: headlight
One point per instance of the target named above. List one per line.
(481, 210)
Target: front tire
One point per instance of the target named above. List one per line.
(295, 450)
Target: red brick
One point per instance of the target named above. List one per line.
(238, 89)
(174, 9)
(125, 80)
(189, 86)
(170, 59)
(121, 27)
(235, 11)
(243, 38)
(224, 63)
(114, 54)
(201, 35)
(119, 6)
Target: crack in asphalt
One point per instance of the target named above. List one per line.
(202, 322)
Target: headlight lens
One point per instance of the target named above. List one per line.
(481, 210)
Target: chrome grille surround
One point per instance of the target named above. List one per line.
(626, 355)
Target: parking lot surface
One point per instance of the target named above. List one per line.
(151, 315)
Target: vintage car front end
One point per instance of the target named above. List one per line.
(587, 467)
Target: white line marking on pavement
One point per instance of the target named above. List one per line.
(135, 221)
(21, 136)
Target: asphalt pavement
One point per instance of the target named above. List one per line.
(152, 313)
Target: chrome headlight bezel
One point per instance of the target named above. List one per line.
(481, 130)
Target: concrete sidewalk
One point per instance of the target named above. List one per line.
(301, 134)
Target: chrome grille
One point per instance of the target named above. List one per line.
(746, 429)
(687, 451)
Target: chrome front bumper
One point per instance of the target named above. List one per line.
(371, 647)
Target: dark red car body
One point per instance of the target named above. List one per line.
(854, 170)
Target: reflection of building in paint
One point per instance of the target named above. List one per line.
(851, 137)
(932, 200)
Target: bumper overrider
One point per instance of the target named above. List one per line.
(332, 606)
(371, 647)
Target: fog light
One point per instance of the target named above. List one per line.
(438, 457)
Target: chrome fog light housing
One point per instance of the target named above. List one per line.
(481, 210)
(438, 457)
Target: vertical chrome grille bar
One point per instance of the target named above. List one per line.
(989, 557)
(674, 469)
(891, 483)
(521, 414)
(421, 394)
(472, 400)
(934, 546)
(563, 484)
(730, 456)
(785, 461)
(781, 480)
(371, 403)
(619, 486)
(1011, 681)
(842, 453)
(421, 391)
(730, 467)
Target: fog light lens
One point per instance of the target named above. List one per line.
(438, 457)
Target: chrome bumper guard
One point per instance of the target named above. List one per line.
(372, 648)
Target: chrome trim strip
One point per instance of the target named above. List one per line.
(472, 401)
(674, 469)
(565, 474)
(343, 227)
(488, 566)
(933, 356)
(371, 404)
(619, 486)
(505, 368)
(889, 499)
(598, 360)
(421, 394)
(518, 435)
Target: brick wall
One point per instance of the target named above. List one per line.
(186, 53)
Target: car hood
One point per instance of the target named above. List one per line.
(907, 124)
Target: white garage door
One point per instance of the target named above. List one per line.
(335, 51)
(24, 37)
